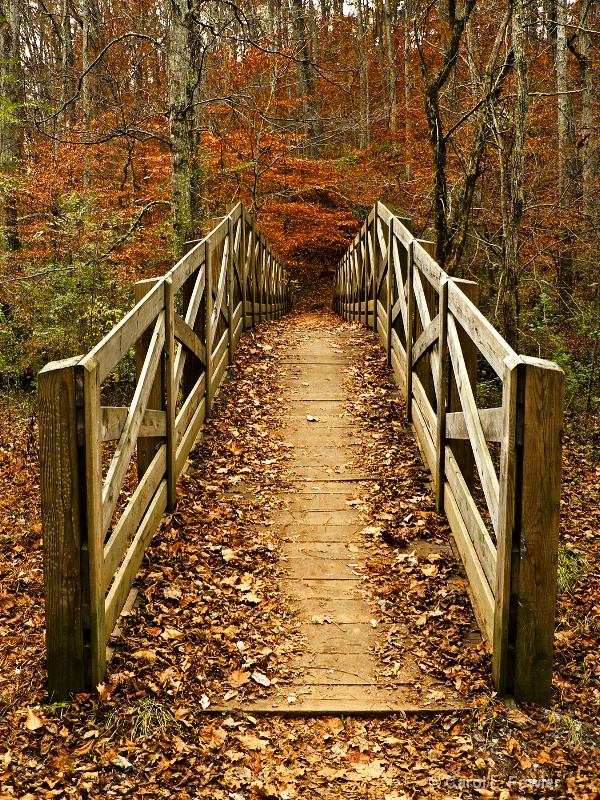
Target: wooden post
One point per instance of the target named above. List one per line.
(375, 268)
(410, 330)
(388, 290)
(507, 551)
(538, 541)
(424, 367)
(208, 327)
(442, 395)
(63, 523)
(147, 445)
(461, 449)
(230, 287)
(243, 265)
(88, 379)
(170, 394)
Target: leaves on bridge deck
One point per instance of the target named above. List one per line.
(209, 618)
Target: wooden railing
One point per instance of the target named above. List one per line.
(496, 471)
(184, 328)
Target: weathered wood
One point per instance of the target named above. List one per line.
(483, 334)
(482, 542)
(427, 338)
(184, 334)
(135, 554)
(538, 545)
(462, 449)
(230, 290)
(485, 466)
(503, 654)
(129, 521)
(93, 545)
(481, 592)
(491, 423)
(410, 332)
(62, 528)
(147, 444)
(208, 327)
(193, 295)
(120, 461)
(116, 344)
(154, 424)
(170, 393)
(442, 395)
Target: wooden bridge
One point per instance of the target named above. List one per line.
(495, 470)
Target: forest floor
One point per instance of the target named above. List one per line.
(211, 626)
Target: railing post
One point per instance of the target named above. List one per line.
(170, 395)
(462, 450)
(375, 267)
(147, 445)
(253, 269)
(63, 525)
(88, 381)
(244, 265)
(389, 285)
(208, 327)
(230, 286)
(410, 329)
(442, 396)
(539, 520)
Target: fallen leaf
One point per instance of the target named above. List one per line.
(204, 701)
(238, 678)
(261, 679)
(310, 418)
(33, 722)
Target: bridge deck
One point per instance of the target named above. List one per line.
(323, 550)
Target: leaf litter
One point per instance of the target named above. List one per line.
(143, 732)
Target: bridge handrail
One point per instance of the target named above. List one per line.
(184, 328)
(496, 471)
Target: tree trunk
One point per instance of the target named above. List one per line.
(180, 77)
(514, 187)
(392, 72)
(11, 130)
(363, 75)
(305, 77)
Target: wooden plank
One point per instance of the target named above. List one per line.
(399, 370)
(171, 392)
(428, 373)
(190, 434)
(194, 302)
(427, 338)
(424, 437)
(462, 448)
(146, 445)
(120, 461)
(426, 264)
(130, 519)
(208, 328)
(62, 528)
(540, 512)
(237, 333)
(402, 233)
(484, 335)
(89, 374)
(442, 396)
(503, 656)
(188, 264)
(188, 409)
(154, 424)
(481, 592)
(187, 337)
(491, 422)
(482, 542)
(220, 371)
(410, 332)
(429, 415)
(485, 466)
(135, 554)
(118, 342)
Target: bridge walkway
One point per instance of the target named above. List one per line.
(324, 551)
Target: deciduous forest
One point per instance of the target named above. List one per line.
(125, 128)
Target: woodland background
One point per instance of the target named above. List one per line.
(126, 126)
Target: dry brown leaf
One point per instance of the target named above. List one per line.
(238, 678)
(33, 722)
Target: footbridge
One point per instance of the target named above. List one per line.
(487, 421)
